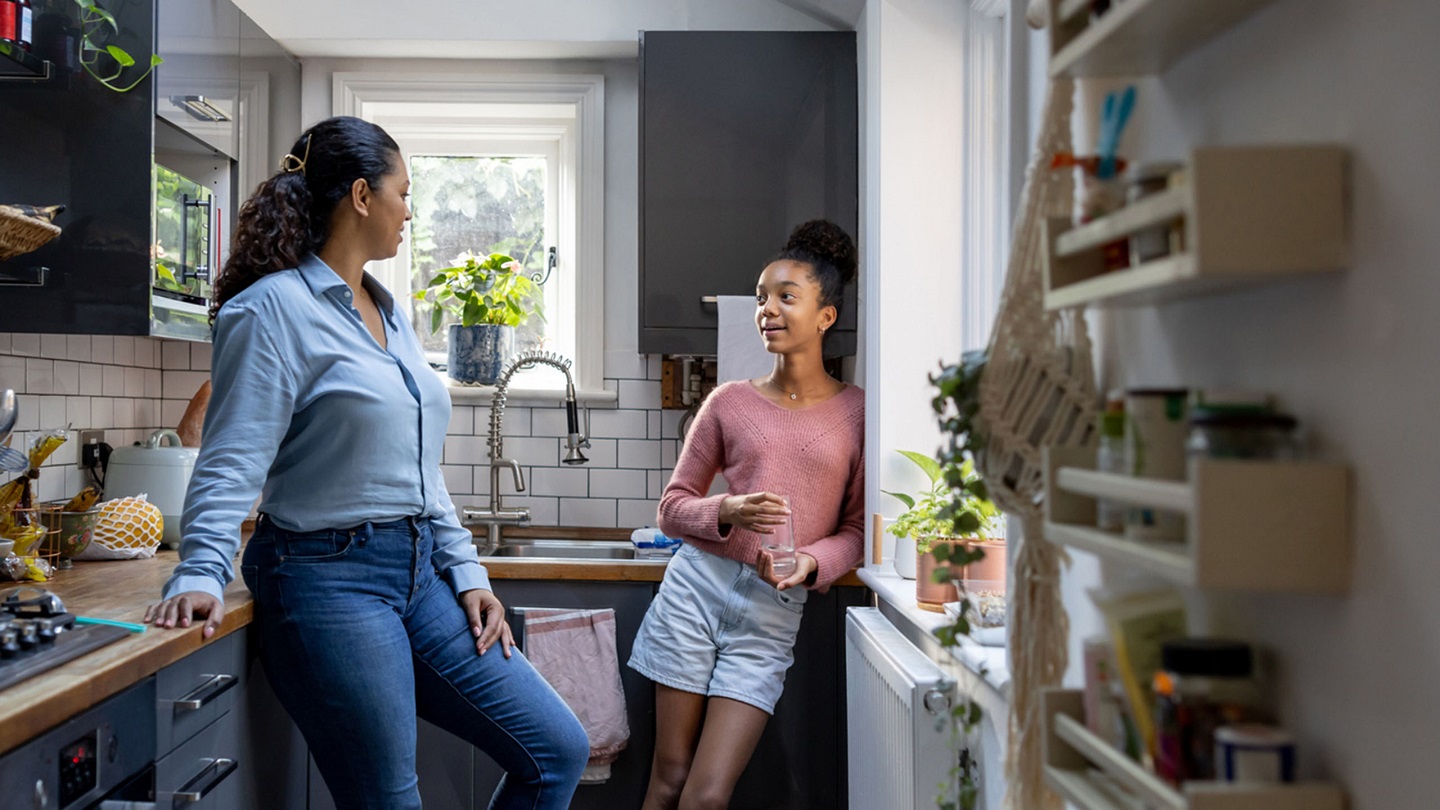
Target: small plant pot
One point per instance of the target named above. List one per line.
(932, 595)
(905, 557)
(478, 354)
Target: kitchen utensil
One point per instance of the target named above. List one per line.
(28, 600)
(160, 472)
(9, 413)
(134, 628)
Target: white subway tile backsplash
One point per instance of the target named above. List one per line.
(12, 373)
(465, 450)
(642, 454)
(53, 346)
(457, 478)
(175, 354)
(639, 394)
(91, 380)
(618, 424)
(25, 345)
(146, 352)
(102, 349)
(125, 351)
(77, 412)
(632, 514)
(129, 386)
(462, 421)
(587, 512)
(547, 422)
(601, 453)
(533, 451)
(618, 483)
(40, 376)
(114, 385)
(669, 452)
(67, 377)
(179, 384)
(566, 482)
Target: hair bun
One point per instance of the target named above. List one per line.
(828, 242)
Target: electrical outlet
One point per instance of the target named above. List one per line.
(87, 438)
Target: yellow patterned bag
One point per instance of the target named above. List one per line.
(129, 528)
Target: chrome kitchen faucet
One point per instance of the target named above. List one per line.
(497, 515)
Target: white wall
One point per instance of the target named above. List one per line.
(1352, 356)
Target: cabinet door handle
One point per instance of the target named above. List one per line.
(206, 692)
(709, 299)
(217, 771)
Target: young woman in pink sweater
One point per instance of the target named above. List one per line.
(720, 635)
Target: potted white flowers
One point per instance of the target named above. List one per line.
(488, 298)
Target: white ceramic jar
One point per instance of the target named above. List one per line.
(161, 473)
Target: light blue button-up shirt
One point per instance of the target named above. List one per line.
(337, 430)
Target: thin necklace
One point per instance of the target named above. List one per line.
(771, 379)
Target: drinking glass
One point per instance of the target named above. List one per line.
(781, 545)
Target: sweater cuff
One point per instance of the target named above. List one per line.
(707, 520)
(834, 559)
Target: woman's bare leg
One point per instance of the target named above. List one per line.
(677, 728)
(732, 730)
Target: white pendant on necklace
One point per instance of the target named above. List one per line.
(792, 397)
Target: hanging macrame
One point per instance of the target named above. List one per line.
(1038, 389)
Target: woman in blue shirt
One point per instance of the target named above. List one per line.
(371, 602)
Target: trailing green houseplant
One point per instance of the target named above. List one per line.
(94, 22)
(487, 298)
(957, 408)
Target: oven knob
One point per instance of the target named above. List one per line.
(45, 629)
(9, 643)
(42, 796)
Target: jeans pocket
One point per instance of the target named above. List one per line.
(251, 575)
(309, 547)
(791, 603)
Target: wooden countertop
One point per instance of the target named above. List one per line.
(121, 590)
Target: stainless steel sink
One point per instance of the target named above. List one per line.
(567, 549)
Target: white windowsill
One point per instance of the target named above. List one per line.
(988, 668)
(462, 394)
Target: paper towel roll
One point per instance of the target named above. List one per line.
(740, 352)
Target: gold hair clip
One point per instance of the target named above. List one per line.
(290, 163)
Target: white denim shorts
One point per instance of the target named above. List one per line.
(717, 629)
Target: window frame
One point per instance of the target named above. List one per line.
(370, 95)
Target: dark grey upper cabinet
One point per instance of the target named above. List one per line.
(743, 135)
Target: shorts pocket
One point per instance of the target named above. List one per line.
(310, 547)
(789, 602)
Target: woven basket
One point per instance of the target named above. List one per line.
(21, 234)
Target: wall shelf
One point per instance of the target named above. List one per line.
(16, 63)
(1247, 215)
(1136, 37)
(1073, 754)
(1250, 525)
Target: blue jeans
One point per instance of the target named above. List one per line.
(359, 636)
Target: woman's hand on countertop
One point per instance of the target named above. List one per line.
(487, 620)
(180, 608)
(805, 565)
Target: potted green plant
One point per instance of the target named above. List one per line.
(944, 516)
(488, 298)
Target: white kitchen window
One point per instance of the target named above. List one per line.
(512, 165)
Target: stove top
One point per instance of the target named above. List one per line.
(31, 644)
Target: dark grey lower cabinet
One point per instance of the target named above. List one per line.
(799, 763)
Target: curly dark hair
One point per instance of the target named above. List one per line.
(829, 251)
(288, 216)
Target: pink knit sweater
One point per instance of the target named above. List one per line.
(815, 456)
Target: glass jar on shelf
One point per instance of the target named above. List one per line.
(1164, 239)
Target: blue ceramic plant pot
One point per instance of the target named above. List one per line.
(478, 354)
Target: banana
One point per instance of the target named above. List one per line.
(83, 501)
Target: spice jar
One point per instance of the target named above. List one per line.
(1156, 241)
(1242, 433)
(1204, 684)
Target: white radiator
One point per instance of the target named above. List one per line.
(894, 696)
